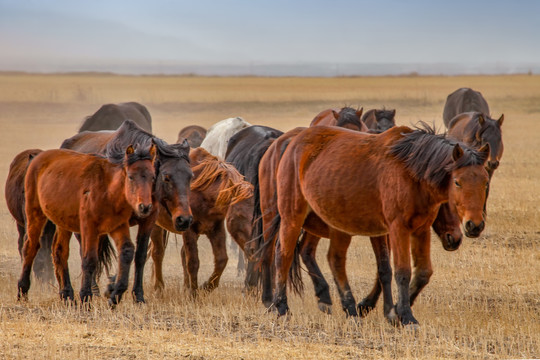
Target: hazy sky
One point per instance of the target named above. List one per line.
(38, 34)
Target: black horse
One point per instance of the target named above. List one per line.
(463, 100)
(244, 151)
(111, 116)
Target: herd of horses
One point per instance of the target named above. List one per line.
(277, 194)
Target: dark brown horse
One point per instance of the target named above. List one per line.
(426, 169)
(464, 100)
(89, 195)
(172, 187)
(477, 129)
(194, 134)
(379, 120)
(14, 191)
(111, 116)
(347, 118)
(216, 186)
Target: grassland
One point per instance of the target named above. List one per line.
(483, 300)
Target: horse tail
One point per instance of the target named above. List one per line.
(106, 254)
(296, 283)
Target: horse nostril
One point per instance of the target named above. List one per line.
(469, 225)
(145, 209)
(449, 238)
(493, 164)
(481, 226)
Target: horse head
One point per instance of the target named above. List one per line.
(140, 176)
(173, 182)
(385, 119)
(469, 182)
(489, 132)
(447, 227)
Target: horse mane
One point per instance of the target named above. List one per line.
(428, 156)
(347, 115)
(129, 133)
(232, 189)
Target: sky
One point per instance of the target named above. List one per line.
(174, 36)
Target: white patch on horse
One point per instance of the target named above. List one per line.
(218, 135)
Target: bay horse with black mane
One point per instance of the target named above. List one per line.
(171, 190)
(194, 134)
(461, 101)
(379, 120)
(346, 117)
(216, 187)
(91, 196)
(427, 169)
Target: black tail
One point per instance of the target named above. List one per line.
(106, 254)
(295, 273)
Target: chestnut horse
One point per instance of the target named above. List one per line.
(171, 190)
(194, 134)
(379, 120)
(216, 186)
(245, 151)
(89, 195)
(347, 118)
(419, 163)
(461, 101)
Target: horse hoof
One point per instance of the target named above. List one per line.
(392, 318)
(411, 328)
(325, 308)
(364, 308)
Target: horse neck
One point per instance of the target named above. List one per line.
(116, 187)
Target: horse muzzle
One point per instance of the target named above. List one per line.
(451, 243)
(182, 223)
(473, 230)
(492, 165)
(144, 210)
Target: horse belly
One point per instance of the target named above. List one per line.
(60, 204)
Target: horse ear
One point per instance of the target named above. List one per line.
(335, 114)
(153, 152)
(484, 151)
(457, 153)
(130, 150)
(481, 119)
(359, 112)
(394, 113)
(500, 121)
(364, 127)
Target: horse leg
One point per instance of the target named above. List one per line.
(421, 256)
(400, 244)
(36, 222)
(337, 257)
(60, 251)
(126, 251)
(143, 237)
(381, 248)
(22, 235)
(308, 248)
(191, 260)
(89, 255)
(43, 266)
(219, 248)
(158, 237)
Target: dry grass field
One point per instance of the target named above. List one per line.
(483, 300)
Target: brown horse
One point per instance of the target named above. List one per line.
(194, 135)
(463, 100)
(427, 169)
(14, 191)
(216, 186)
(111, 116)
(171, 190)
(477, 129)
(379, 120)
(347, 118)
(89, 195)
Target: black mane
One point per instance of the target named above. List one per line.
(130, 133)
(348, 115)
(428, 156)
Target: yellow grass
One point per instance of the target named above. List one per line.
(482, 302)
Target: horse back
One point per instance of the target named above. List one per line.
(464, 100)
(14, 189)
(194, 134)
(89, 142)
(111, 116)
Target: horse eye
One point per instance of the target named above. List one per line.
(166, 178)
(457, 183)
(130, 178)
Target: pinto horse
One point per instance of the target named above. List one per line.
(427, 169)
(219, 134)
(244, 152)
(216, 186)
(171, 190)
(89, 195)
(379, 120)
(194, 134)
(347, 118)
